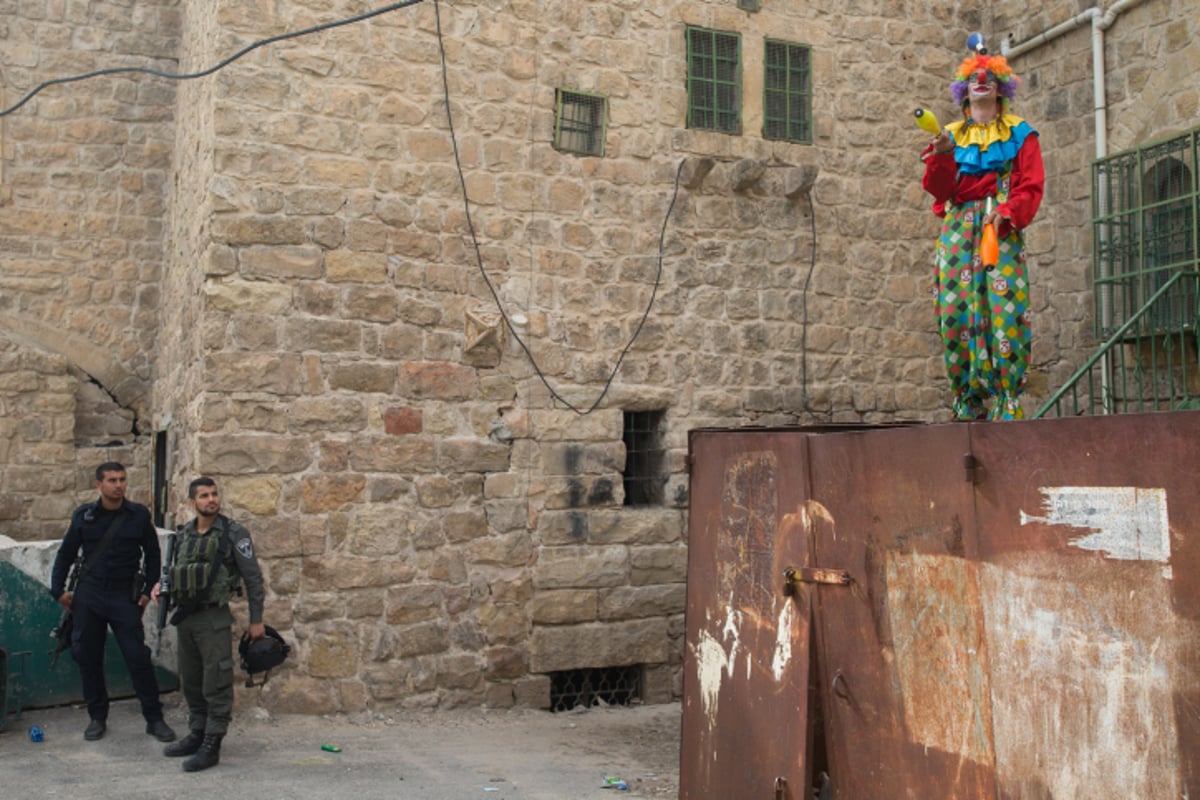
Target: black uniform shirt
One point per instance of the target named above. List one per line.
(135, 535)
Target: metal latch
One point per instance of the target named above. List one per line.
(797, 575)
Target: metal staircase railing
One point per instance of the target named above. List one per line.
(1137, 371)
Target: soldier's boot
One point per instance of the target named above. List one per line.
(207, 756)
(185, 746)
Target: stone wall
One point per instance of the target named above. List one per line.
(436, 495)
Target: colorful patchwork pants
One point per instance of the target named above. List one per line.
(982, 317)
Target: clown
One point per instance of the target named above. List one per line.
(985, 168)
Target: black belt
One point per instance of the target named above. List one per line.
(108, 583)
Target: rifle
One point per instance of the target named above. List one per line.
(61, 633)
(164, 590)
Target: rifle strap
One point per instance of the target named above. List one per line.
(100, 548)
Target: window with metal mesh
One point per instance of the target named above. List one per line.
(1146, 231)
(585, 688)
(579, 122)
(714, 80)
(750, 5)
(787, 92)
(645, 458)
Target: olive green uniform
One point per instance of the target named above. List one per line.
(205, 574)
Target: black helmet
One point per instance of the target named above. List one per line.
(260, 655)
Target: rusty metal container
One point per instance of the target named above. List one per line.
(983, 611)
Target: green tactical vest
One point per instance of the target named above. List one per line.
(192, 574)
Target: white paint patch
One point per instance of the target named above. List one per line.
(783, 640)
(714, 662)
(1129, 523)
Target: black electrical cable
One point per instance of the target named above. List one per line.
(479, 256)
(219, 65)
(812, 263)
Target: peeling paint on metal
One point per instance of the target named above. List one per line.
(713, 662)
(938, 641)
(783, 640)
(1082, 701)
(1130, 523)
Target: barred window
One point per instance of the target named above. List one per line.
(787, 92)
(714, 82)
(645, 458)
(1146, 209)
(579, 121)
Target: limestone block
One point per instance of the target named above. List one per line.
(665, 564)
(461, 671)
(635, 525)
(504, 516)
(333, 654)
(399, 420)
(330, 413)
(413, 603)
(437, 380)
(472, 455)
(510, 550)
(342, 266)
(634, 602)
(401, 455)
(504, 663)
(581, 567)
(503, 624)
(239, 454)
(532, 691)
(598, 645)
(253, 372)
(463, 526)
(378, 530)
(319, 606)
(348, 572)
(290, 692)
(280, 262)
(573, 458)
(564, 606)
(328, 492)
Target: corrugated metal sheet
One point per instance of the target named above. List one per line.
(1022, 620)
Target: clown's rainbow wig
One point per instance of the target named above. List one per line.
(996, 66)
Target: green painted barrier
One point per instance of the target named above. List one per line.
(29, 613)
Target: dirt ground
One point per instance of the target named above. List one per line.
(517, 754)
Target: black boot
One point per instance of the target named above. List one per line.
(207, 756)
(185, 746)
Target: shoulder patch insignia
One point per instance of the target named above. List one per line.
(245, 547)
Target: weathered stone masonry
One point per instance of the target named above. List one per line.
(273, 266)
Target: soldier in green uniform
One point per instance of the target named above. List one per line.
(213, 555)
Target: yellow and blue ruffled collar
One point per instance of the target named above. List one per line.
(980, 149)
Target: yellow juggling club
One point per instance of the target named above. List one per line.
(927, 121)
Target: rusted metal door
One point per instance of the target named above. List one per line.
(1021, 622)
(1090, 587)
(746, 697)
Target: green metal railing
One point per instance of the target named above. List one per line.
(1139, 372)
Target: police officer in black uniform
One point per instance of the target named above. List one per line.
(111, 594)
(213, 556)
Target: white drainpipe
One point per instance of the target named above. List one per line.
(1101, 21)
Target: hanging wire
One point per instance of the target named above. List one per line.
(492, 289)
(219, 65)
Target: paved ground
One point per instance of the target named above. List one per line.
(452, 755)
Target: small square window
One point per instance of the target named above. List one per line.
(714, 80)
(787, 92)
(645, 458)
(579, 122)
(750, 5)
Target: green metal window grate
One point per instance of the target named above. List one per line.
(787, 92)
(1146, 209)
(714, 82)
(585, 688)
(579, 121)
(645, 459)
